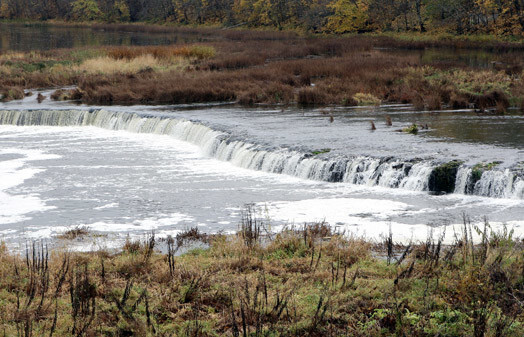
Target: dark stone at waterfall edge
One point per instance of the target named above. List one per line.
(443, 177)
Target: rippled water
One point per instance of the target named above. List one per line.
(122, 183)
(129, 180)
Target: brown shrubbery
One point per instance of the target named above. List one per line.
(320, 81)
(304, 280)
(12, 93)
(251, 67)
(162, 52)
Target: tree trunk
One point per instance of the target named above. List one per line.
(520, 13)
(418, 6)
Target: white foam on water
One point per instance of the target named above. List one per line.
(106, 206)
(7, 232)
(16, 208)
(148, 224)
(364, 217)
(337, 210)
(154, 223)
(370, 218)
(362, 214)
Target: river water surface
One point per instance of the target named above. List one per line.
(127, 171)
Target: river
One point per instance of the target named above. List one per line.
(126, 171)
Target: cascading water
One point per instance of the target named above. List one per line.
(386, 172)
(490, 183)
(462, 181)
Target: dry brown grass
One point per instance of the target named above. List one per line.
(109, 66)
(12, 93)
(302, 281)
(9, 56)
(74, 233)
(264, 67)
(162, 52)
(336, 81)
(355, 78)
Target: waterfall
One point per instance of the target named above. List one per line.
(418, 180)
(490, 183)
(499, 184)
(386, 172)
(463, 177)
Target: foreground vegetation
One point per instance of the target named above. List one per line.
(301, 281)
(250, 67)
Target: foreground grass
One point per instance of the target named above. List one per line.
(251, 67)
(306, 281)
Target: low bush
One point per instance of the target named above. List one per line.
(264, 67)
(12, 93)
(305, 280)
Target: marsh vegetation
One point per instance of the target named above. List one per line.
(251, 67)
(305, 280)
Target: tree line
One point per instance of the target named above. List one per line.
(501, 17)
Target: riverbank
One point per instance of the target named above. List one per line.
(308, 280)
(266, 67)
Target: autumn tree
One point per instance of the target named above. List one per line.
(218, 11)
(418, 5)
(120, 11)
(500, 17)
(316, 15)
(86, 10)
(349, 16)
(5, 11)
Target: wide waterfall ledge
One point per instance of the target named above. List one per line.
(411, 174)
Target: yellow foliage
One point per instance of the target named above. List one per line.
(13, 56)
(5, 13)
(366, 99)
(350, 16)
(108, 65)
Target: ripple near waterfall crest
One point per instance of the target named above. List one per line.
(387, 172)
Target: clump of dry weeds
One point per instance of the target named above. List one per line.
(304, 280)
(264, 67)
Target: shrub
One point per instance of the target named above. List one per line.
(162, 52)
(200, 52)
(413, 129)
(74, 233)
(366, 99)
(12, 93)
(311, 96)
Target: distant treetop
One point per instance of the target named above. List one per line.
(319, 16)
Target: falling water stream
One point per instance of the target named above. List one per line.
(129, 170)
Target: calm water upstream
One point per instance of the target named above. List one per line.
(19, 37)
(125, 171)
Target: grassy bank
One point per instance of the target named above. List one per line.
(301, 281)
(251, 67)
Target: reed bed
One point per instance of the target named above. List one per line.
(305, 280)
(254, 67)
